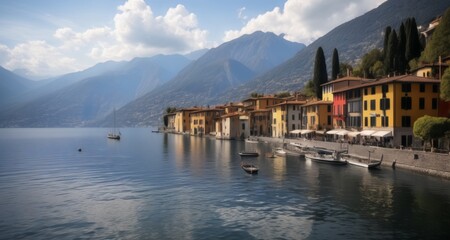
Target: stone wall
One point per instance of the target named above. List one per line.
(437, 164)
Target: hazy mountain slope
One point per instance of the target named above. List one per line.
(352, 39)
(94, 97)
(13, 86)
(227, 66)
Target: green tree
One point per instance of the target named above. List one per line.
(401, 60)
(343, 67)
(282, 94)
(335, 68)
(377, 69)
(320, 72)
(367, 61)
(308, 90)
(390, 64)
(439, 44)
(255, 95)
(387, 32)
(445, 86)
(413, 47)
(429, 128)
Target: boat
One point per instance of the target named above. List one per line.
(249, 154)
(280, 152)
(249, 168)
(114, 134)
(363, 162)
(248, 140)
(330, 157)
(155, 131)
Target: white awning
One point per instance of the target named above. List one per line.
(353, 134)
(367, 132)
(320, 132)
(382, 134)
(305, 131)
(342, 132)
(334, 131)
(296, 131)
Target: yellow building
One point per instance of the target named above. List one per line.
(317, 115)
(182, 120)
(203, 121)
(286, 117)
(390, 106)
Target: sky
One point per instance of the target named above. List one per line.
(44, 38)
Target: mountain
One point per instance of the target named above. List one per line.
(352, 39)
(229, 65)
(13, 86)
(87, 99)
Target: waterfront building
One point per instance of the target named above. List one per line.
(203, 121)
(233, 125)
(286, 117)
(332, 91)
(390, 106)
(182, 120)
(317, 115)
(170, 122)
(261, 122)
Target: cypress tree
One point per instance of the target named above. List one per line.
(320, 72)
(390, 61)
(413, 47)
(335, 70)
(401, 60)
(387, 32)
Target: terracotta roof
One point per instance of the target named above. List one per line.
(295, 102)
(207, 110)
(233, 114)
(400, 79)
(348, 78)
(312, 103)
(261, 110)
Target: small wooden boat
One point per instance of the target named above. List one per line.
(329, 157)
(363, 162)
(249, 154)
(155, 131)
(249, 168)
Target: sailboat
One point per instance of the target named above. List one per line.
(113, 134)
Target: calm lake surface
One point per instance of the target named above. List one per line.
(160, 186)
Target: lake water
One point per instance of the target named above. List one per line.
(160, 186)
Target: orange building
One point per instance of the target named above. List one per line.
(204, 121)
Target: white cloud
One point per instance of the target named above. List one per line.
(137, 32)
(305, 20)
(241, 14)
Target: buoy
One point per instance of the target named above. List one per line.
(79, 149)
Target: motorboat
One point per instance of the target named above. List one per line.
(363, 162)
(249, 154)
(250, 168)
(329, 157)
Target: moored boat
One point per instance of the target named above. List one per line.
(249, 154)
(329, 157)
(363, 162)
(250, 168)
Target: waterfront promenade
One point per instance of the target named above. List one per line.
(437, 164)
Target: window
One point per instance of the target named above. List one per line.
(406, 87)
(365, 105)
(373, 121)
(293, 126)
(385, 88)
(357, 93)
(329, 120)
(435, 88)
(366, 122)
(282, 117)
(313, 120)
(384, 121)
(385, 104)
(274, 121)
(372, 90)
(406, 103)
(372, 105)
(422, 86)
(293, 117)
(243, 126)
(406, 121)
(421, 103)
(434, 103)
(328, 108)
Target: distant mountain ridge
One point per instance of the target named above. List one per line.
(79, 98)
(227, 66)
(352, 39)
